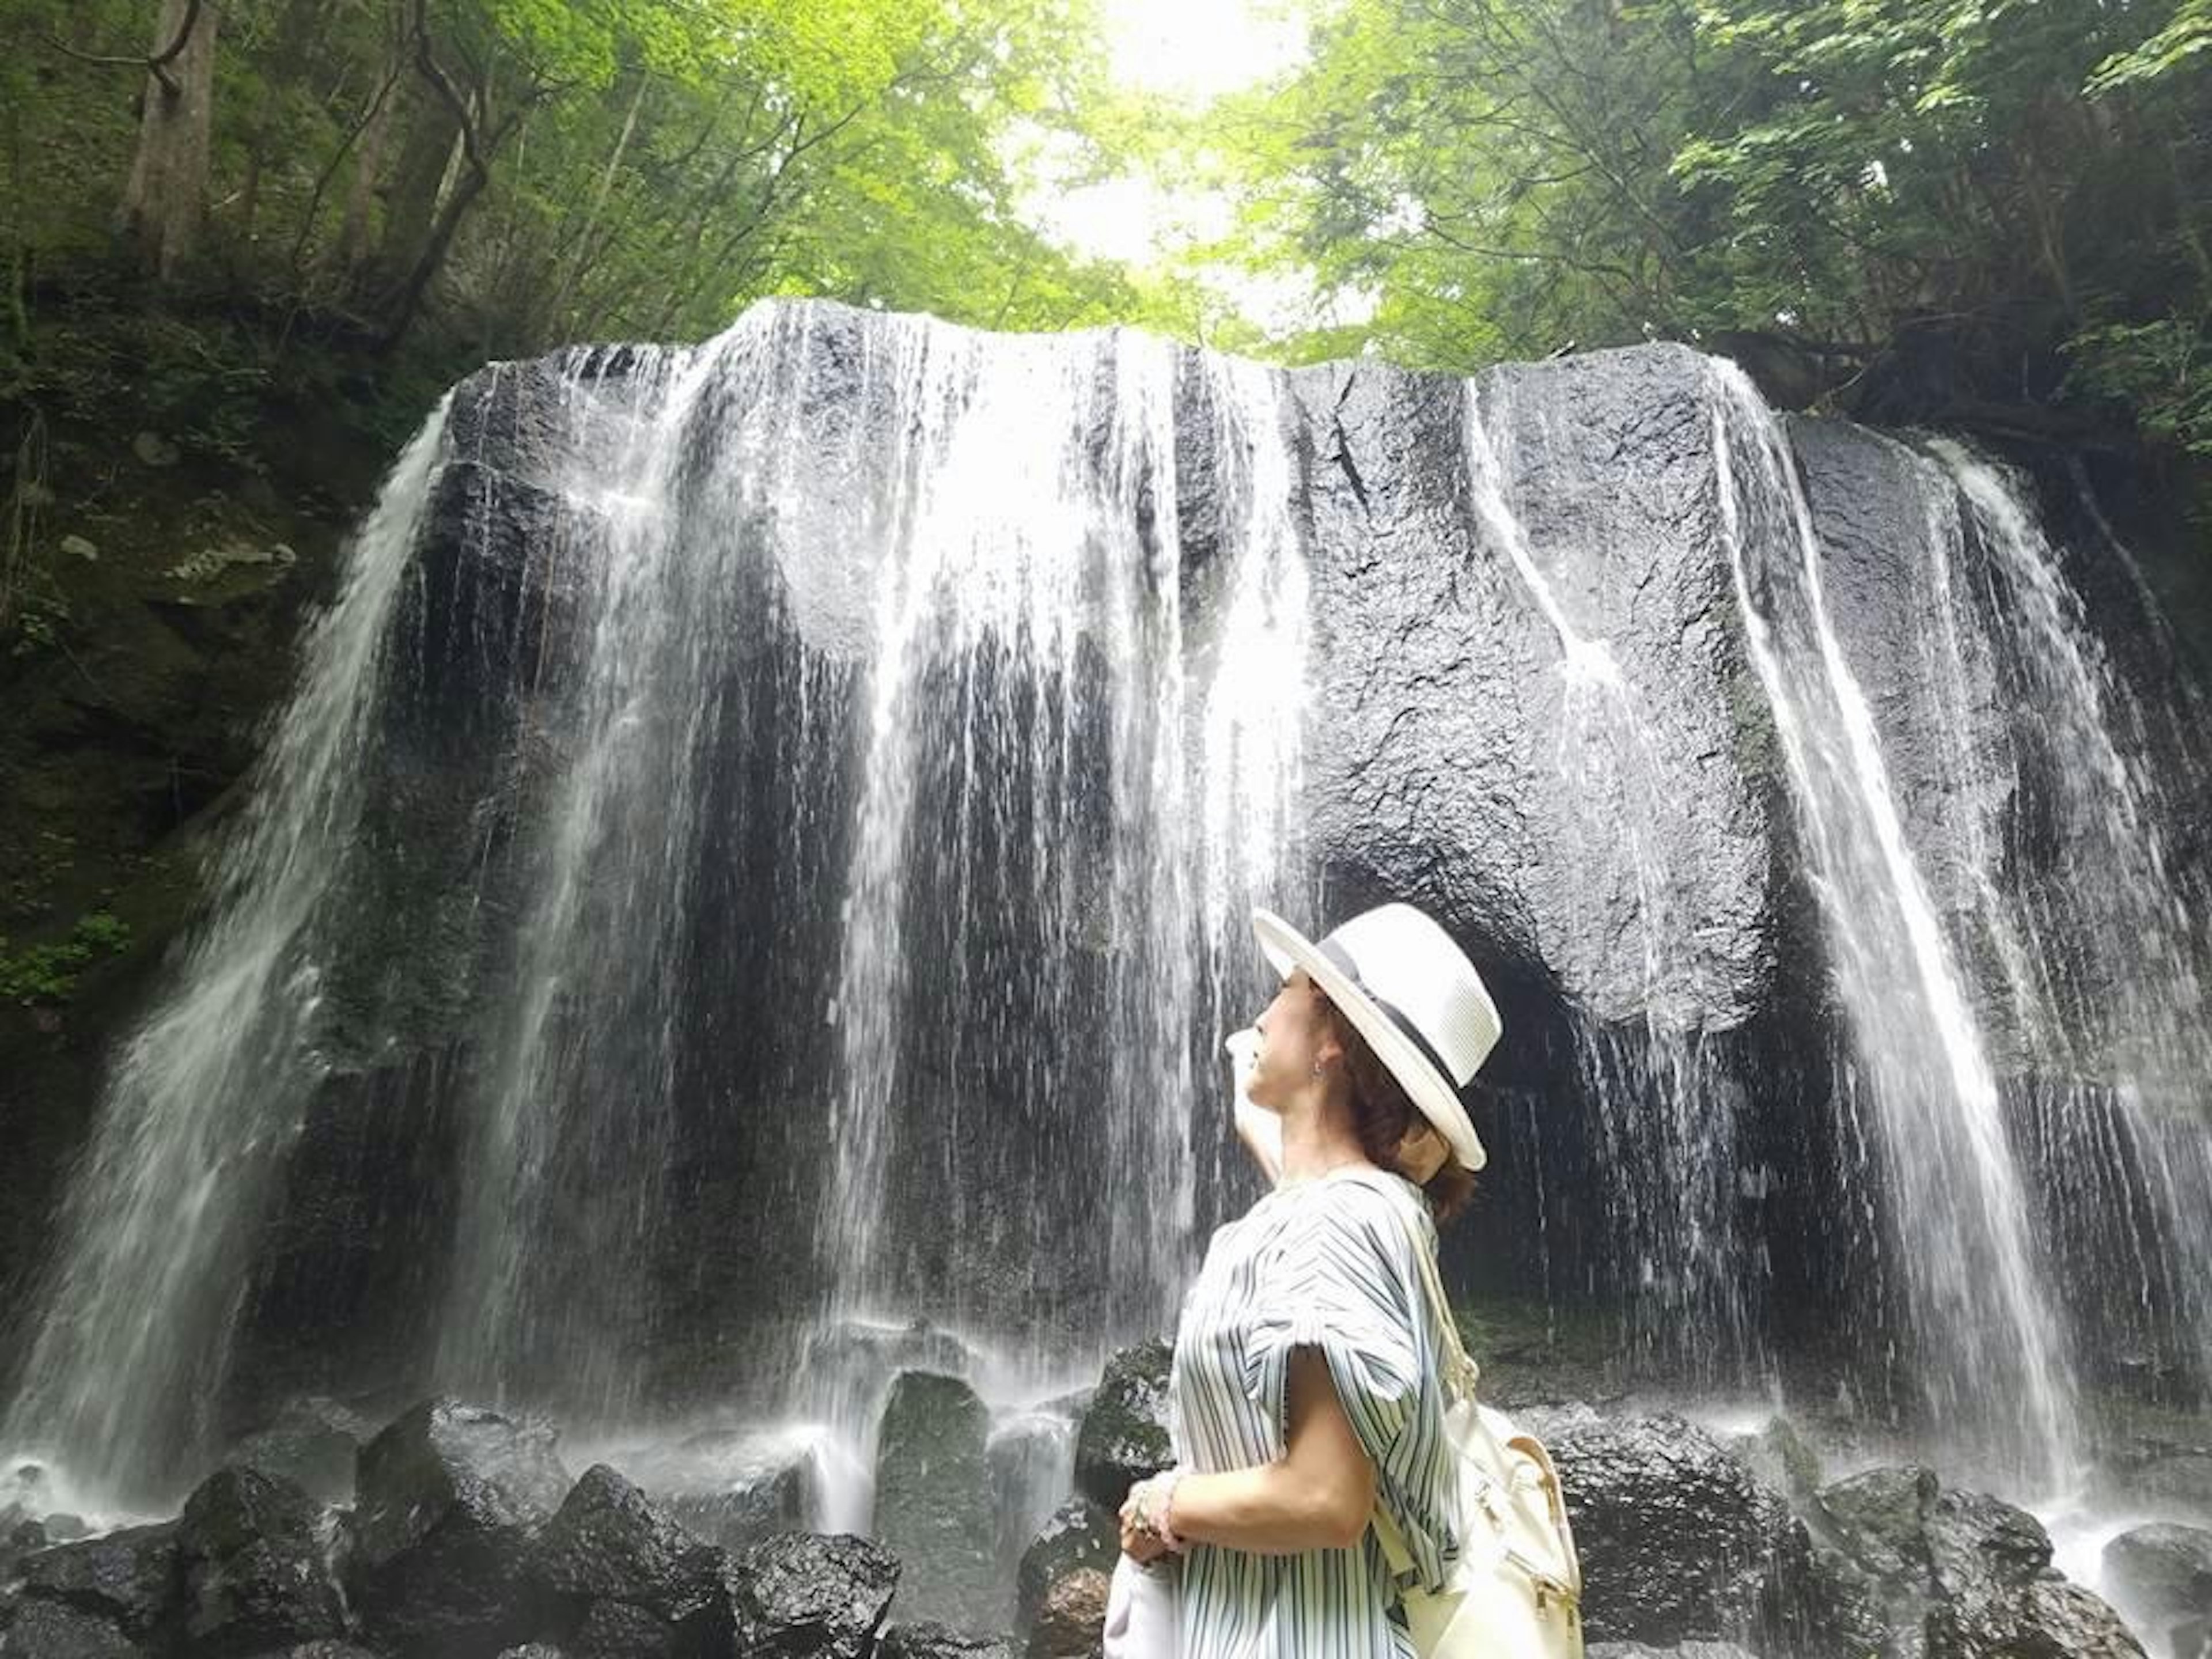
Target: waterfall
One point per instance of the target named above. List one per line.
(130, 1345)
(783, 813)
(1956, 1195)
(1666, 1111)
(2098, 943)
(1074, 786)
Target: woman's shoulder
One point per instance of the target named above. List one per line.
(1378, 1205)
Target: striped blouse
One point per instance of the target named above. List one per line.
(1329, 1264)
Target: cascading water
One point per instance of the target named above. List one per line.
(2086, 933)
(1072, 792)
(1957, 1200)
(783, 813)
(120, 1378)
(1668, 1113)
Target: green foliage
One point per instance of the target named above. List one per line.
(2025, 179)
(48, 973)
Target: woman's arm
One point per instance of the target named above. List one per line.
(1259, 1129)
(1317, 1496)
(1262, 1132)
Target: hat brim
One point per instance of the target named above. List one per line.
(1431, 1092)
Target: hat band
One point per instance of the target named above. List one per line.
(1340, 959)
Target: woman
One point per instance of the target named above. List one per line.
(1305, 1390)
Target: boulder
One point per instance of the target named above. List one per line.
(1880, 1516)
(2161, 1572)
(1952, 1574)
(1079, 1537)
(129, 1578)
(312, 1442)
(1778, 1456)
(1979, 1545)
(730, 1487)
(626, 1577)
(1071, 1621)
(20, 1536)
(800, 1595)
(1679, 1540)
(333, 1649)
(933, 1498)
(38, 1629)
(1124, 1436)
(934, 1641)
(256, 1573)
(450, 1497)
(2045, 1619)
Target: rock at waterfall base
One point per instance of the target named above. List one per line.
(1080, 1538)
(1679, 1540)
(799, 1595)
(623, 1579)
(1071, 1622)
(129, 1578)
(2164, 1571)
(1952, 1574)
(934, 1500)
(1124, 1437)
(728, 1489)
(449, 1498)
(255, 1570)
(934, 1641)
(40, 1629)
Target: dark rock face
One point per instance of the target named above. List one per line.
(728, 1489)
(631, 1579)
(2164, 1570)
(2046, 1618)
(1124, 1436)
(1072, 1620)
(256, 1576)
(311, 1442)
(1079, 1537)
(933, 1498)
(1448, 708)
(450, 1496)
(1678, 1541)
(131, 1578)
(38, 1629)
(929, 1641)
(1949, 1574)
(802, 1596)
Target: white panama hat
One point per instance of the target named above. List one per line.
(1414, 995)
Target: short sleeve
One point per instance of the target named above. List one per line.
(1339, 1280)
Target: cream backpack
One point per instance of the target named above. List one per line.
(1515, 1591)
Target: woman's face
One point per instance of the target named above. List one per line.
(1294, 1035)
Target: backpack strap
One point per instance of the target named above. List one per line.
(1460, 1372)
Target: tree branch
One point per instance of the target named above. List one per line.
(157, 65)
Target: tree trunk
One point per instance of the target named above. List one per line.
(350, 253)
(410, 213)
(165, 203)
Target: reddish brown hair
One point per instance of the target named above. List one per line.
(1383, 1113)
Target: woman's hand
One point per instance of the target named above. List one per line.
(1139, 1541)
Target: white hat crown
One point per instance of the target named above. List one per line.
(1413, 994)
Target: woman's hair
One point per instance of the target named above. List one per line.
(1381, 1113)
